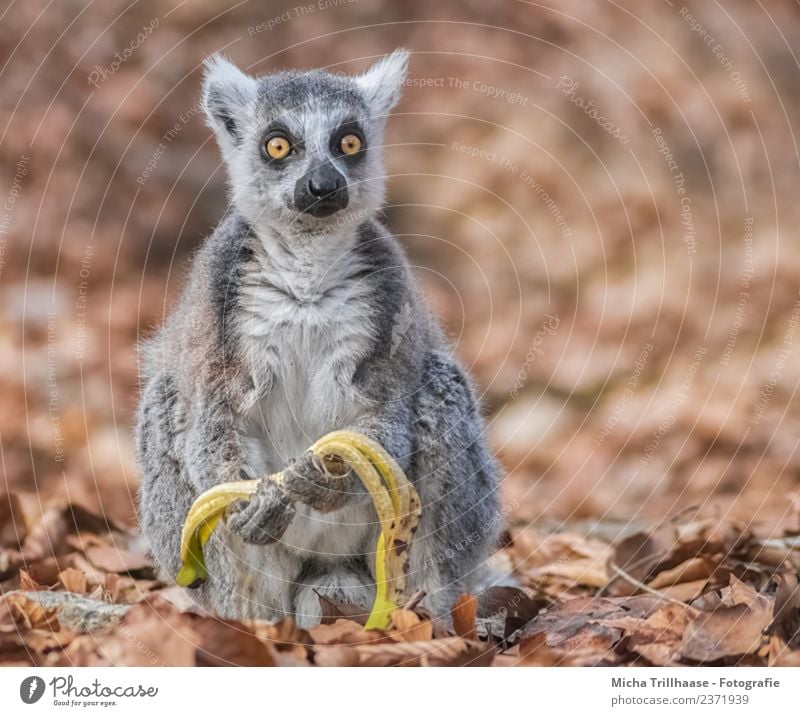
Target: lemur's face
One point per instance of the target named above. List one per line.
(304, 150)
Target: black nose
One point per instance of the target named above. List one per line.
(321, 191)
(322, 184)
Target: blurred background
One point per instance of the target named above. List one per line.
(599, 198)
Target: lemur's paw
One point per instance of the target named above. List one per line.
(324, 484)
(265, 518)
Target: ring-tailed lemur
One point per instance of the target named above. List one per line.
(302, 316)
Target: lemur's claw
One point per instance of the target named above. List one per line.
(323, 483)
(265, 518)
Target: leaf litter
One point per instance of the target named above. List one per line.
(78, 590)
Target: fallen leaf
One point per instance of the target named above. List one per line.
(17, 611)
(114, 559)
(697, 568)
(344, 631)
(13, 523)
(73, 580)
(226, 643)
(27, 583)
(408, 626)
(333, 610)
(786, 611)
(464, 614)
(725, 632)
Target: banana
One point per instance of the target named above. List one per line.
(203, 517)
(396, 503)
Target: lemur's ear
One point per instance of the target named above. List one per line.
(226, 91)
(382, 83)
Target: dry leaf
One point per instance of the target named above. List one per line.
(13, 523)
(464, 613)
(226, 643)
(725, 632)
(113, 559)
(73, 580)
(408, 626)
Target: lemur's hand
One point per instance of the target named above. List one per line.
(323, 484)
(265, 517)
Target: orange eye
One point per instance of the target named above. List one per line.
(278, 147)
(350, 144)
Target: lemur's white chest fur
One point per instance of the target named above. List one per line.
(305, 326)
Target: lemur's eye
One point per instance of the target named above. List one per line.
(350, 144)
(278, 147)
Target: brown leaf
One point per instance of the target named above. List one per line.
(13, 523)
(73, 580)
(17, 611)
(697, 568)
(336, 656)
(227, 643)
(464, 613)
(344, 631)
(685, 592)
(512, 606)
(536, 652)
(45, 571)
(780, 654)
(27, 583)
(333, 610)
(46, 537)
(152, 633)
(10, 561)
(451, 651)
(80, 518)
(114, 559)
(786, 612)
(408, 626)
(577, 624)
(725, 632)
(591, 571)
(657, 638)
(636, 555)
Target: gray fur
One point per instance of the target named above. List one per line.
(291, 326)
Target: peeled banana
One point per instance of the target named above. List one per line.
(396, 503)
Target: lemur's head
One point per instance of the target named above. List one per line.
(304, 150)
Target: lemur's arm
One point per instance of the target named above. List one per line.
(212, 451)
(326, 488)
(214, 455)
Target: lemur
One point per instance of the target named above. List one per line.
(301, 316)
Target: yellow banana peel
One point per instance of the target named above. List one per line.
(396, 503)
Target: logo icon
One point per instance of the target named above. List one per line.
(31, 689)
